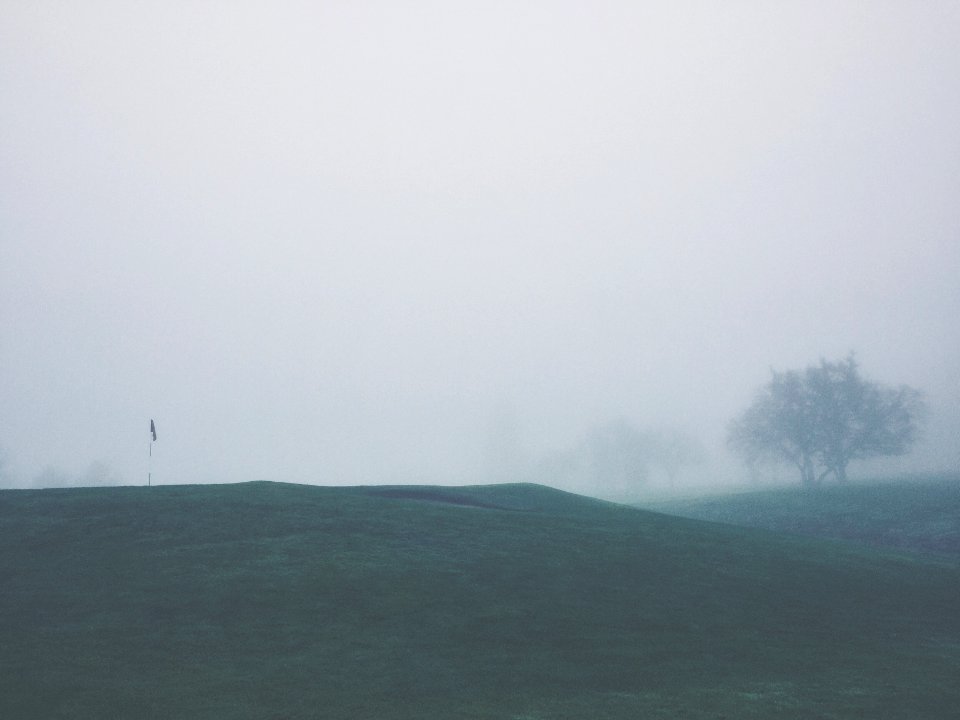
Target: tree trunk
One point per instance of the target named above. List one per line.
(841, 472)
(808, 473)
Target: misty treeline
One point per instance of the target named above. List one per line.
(819, 420)
(97, 473)
(613, 458)
(822, 418)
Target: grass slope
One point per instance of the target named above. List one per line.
(275, 601)
(919, 515)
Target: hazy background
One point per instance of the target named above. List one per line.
(355, 242)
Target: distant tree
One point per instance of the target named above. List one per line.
(618, 455)
(52, 477)
(99, 473)
(673, 449)
(822, 418)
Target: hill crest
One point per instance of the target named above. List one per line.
(277, 600)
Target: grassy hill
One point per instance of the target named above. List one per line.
(285, 602)
(919, 515)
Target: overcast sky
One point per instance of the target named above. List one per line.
(348, 242)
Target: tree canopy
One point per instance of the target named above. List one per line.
(822, 418)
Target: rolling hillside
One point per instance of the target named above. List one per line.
(278, 601)
(918, 515)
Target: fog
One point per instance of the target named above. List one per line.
(364, 242)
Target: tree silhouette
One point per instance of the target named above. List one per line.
(822, 418)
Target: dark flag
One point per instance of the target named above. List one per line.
(153, 430)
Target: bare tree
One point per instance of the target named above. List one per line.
(618, 455)
(822, 418)
(673, 449)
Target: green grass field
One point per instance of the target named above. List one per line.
(918, 515)
(283, 602)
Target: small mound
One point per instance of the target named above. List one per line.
(435, 495)
(517, 497)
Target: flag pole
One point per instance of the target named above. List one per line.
(153, 438)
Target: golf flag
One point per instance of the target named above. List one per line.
(153, 430)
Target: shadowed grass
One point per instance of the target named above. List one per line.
(920, 515)
(281, 601)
